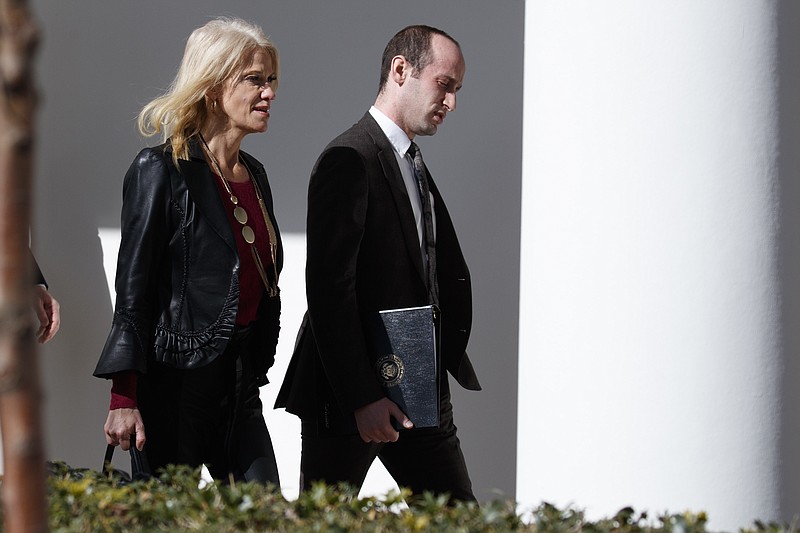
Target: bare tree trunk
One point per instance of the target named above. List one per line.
(23, 487)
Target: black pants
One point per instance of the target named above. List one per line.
(211, 415)
(422, 459)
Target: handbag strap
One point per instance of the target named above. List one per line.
(140, 469)
(107, 459)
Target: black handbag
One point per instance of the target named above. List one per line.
(140, 470)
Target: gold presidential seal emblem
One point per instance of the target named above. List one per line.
(390, 370)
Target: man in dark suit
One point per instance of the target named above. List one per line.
(366, 240)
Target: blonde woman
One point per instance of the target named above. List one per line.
(197, 312)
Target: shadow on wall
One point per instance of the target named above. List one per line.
(75, 404)
(789, 168)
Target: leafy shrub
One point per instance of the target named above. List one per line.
(86, 501)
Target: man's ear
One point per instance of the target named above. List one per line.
(400, 69)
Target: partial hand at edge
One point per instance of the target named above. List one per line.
(121, 424)
(374, 421)
(48, 311)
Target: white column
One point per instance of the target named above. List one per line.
(650, 346)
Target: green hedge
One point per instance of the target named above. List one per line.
(85, 501)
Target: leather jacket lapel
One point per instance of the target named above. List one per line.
(203, 191)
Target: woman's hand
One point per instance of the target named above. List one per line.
(121, 424)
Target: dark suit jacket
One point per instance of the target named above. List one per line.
(364, 256)
(38, 277)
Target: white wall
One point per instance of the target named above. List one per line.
(651, 348)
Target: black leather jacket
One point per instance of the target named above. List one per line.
(177, 273)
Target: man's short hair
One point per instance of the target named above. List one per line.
(413, 43)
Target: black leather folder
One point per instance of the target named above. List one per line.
(404, 346)
(405, 349)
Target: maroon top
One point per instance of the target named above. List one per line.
(251, 287)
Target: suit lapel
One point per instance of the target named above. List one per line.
(397, 186)
(202, 186)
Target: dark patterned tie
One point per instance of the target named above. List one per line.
(428, 235)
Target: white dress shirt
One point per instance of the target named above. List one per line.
(401, 143)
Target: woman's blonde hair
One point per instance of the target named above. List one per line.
(215, 52)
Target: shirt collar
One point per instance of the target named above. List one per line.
(397, 137)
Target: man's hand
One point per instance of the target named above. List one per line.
(121, 424)
(374, 421)
(48, 311)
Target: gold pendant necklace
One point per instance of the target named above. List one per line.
(240, 214)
